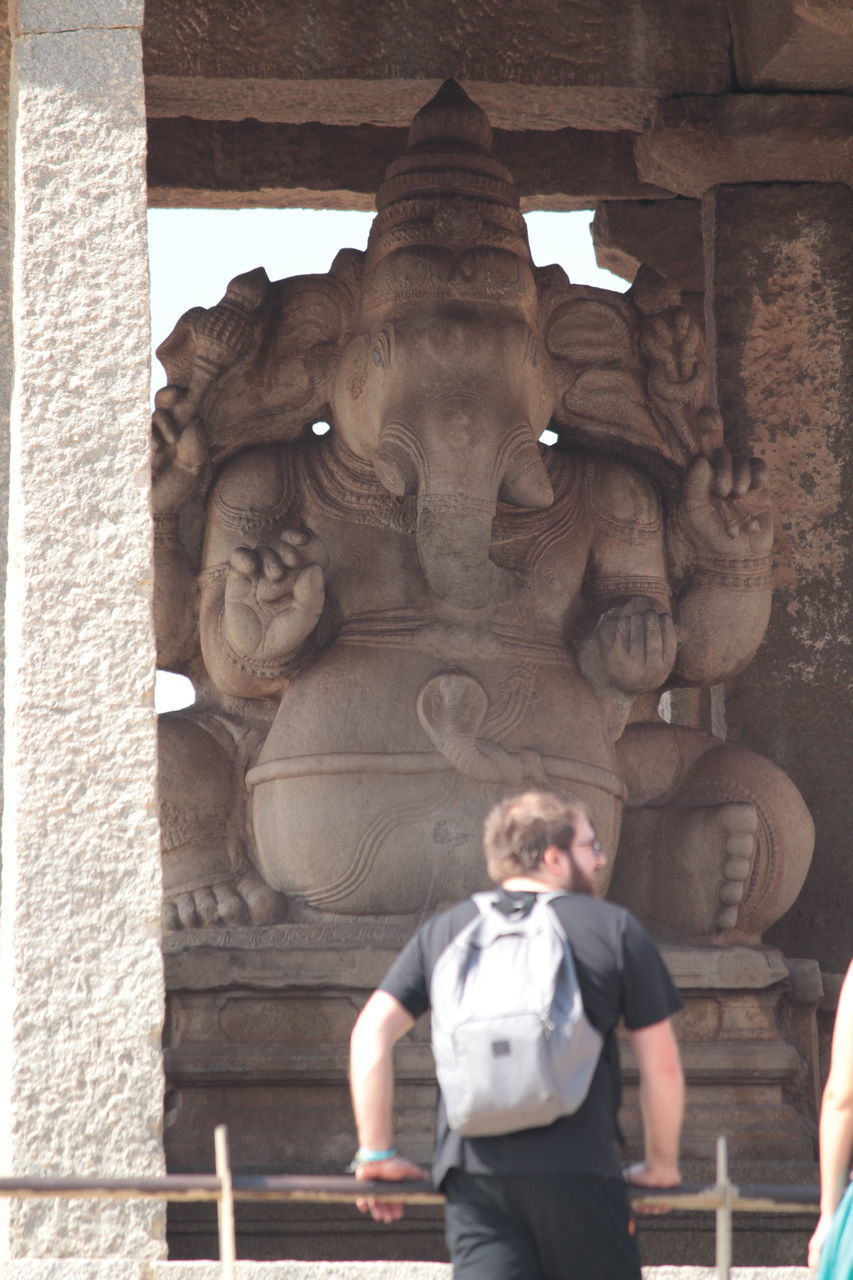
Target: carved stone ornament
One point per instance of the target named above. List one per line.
(394, 624)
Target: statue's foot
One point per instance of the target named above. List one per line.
(710, 853)
(242, 899)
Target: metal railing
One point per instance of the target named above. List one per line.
(723, 1198)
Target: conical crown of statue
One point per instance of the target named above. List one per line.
(447, 189)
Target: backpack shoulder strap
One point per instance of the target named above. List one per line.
(547, 900)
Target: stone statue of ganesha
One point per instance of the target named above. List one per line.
(426, 608)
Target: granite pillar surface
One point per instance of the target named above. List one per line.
(5, 324)
(779, 302)
(82, 997)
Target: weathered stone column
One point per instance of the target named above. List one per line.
(780, 315)
(82, 993)
(5, 323)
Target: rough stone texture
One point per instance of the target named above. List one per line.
(793, 44)
(318, 1271)
(419, 1271)
(696, 143)
(666, 235)
(6, 345)
(72, 1269)
(33, 17)
(416, 1271)
(781, 296)
(227, 164)
(81, 1089)
(588, 64)
(80, 1269)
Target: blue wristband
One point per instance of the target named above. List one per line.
(364, 1155)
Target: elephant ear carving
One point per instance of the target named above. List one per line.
(631, 372)
(260, 363)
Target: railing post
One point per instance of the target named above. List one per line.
(225, 1204)
(724, 1212)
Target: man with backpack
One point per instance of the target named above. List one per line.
(526, 986)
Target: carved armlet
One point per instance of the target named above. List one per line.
(744, 573)
(602, 586)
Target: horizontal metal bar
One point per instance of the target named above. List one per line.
(341, 1189)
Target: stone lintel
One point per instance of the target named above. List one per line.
(392, 103)
(665, 235)
(597, 64)
(793, 44)
(235, 164)
(34, 17)
(698, 143)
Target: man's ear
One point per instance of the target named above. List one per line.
(552, 859)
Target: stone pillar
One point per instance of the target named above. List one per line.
(5, 324)
(82, 994)
(780, 315)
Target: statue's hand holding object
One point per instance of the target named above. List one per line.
(725, 508)
(178, 452)
(632, 649)
(274, 596)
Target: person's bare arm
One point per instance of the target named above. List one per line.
(382, 1022)
(836, 1119)
(661, 1103)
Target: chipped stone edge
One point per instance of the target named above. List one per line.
(44, 17)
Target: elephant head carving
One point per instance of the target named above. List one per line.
(441, 354)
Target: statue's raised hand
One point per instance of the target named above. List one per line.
(274, 596)
(632, 649)
(178, 452)
(725, 507)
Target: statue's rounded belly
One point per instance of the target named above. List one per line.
(370, 792)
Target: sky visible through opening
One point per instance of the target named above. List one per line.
(193, 253)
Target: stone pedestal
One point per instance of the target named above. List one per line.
(257, 1029)
(81, 999)
(780, 334)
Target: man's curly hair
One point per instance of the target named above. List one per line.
(520, 828)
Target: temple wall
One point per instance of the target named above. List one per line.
(780, 298)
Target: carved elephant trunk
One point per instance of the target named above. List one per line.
(458, 467)
(453, 538)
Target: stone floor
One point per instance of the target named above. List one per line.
(428, 1271)
(119, 1269)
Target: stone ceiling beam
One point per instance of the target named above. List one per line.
(699, 142)
(793, 44)
(667, 237)
(230, 164)
(591, 64)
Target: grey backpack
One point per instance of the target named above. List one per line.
(513, 1046)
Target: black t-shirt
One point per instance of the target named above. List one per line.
(622, 977)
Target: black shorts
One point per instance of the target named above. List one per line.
(539, 1226)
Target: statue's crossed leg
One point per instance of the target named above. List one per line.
(716, 839)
